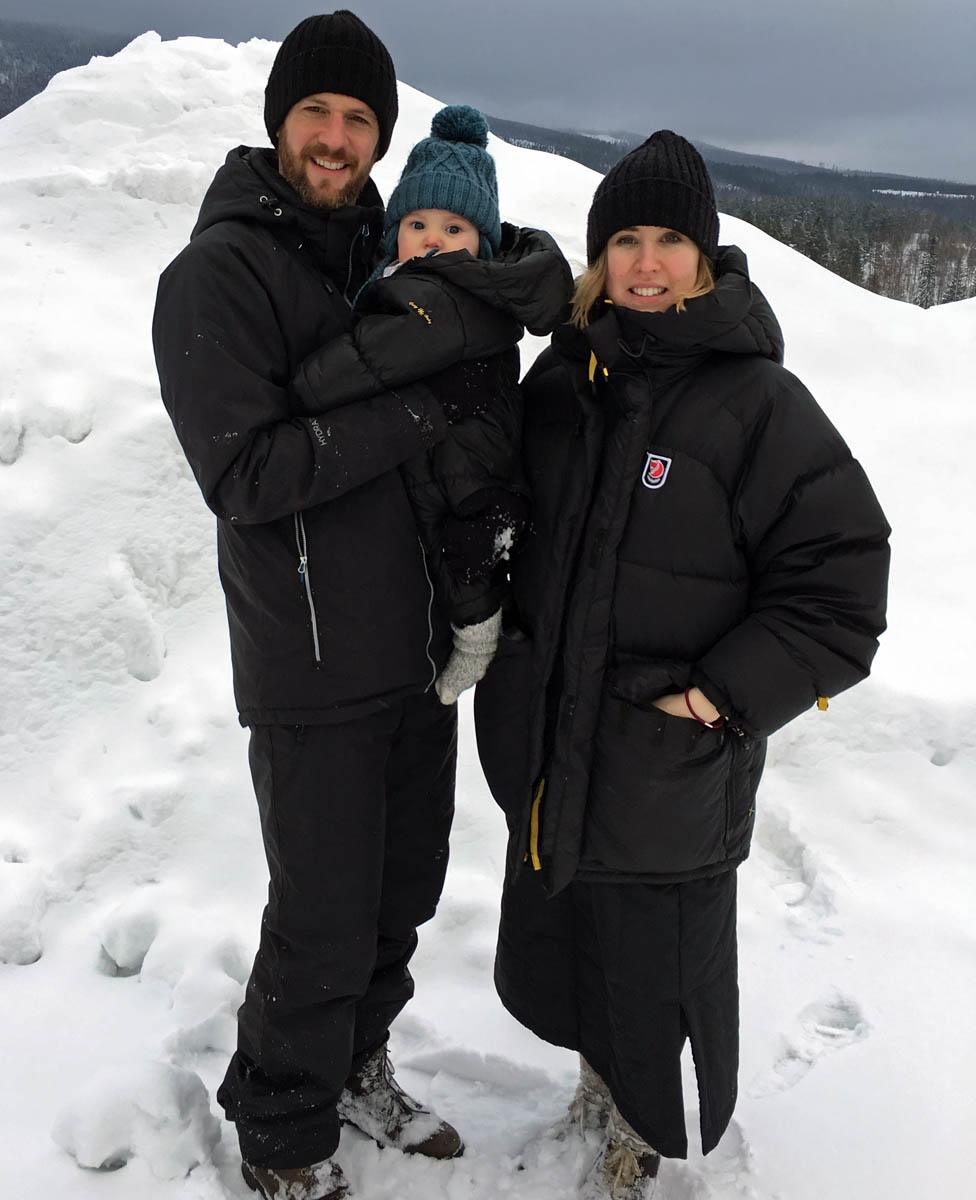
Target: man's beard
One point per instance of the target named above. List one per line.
(292, 168)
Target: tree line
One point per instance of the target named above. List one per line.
(917, 248)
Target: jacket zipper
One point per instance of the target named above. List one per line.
(302, 543)
(430, 618)
(363, 229)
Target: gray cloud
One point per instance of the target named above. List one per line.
(879, 84)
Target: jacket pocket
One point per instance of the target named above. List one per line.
(659, 796)
(502, 714)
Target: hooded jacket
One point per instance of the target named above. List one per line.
(697, 521)
(328, 596)
(434, 313)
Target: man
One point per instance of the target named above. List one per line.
(335, 640)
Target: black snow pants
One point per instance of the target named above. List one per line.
(356, 819)
(625, 973)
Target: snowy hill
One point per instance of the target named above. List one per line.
(131, 872)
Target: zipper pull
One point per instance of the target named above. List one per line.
(302, 565)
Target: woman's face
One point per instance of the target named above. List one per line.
(650, 268)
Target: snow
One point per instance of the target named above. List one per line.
(940, 195)
(131, 870)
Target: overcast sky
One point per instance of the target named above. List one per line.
(876, 84)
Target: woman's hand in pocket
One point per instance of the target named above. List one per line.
(676, 705)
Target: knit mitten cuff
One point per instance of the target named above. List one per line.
(474, 648)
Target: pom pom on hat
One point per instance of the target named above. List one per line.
(460, 123)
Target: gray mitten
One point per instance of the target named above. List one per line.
(474, 648)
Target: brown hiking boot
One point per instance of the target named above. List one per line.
(321, 1181)
(626, 1167)
(377, 1106)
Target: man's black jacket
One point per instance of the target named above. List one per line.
(328, 597)
(697, 520)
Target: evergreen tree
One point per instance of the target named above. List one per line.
(955, 288)
(923, 281)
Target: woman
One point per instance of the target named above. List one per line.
(707, 561)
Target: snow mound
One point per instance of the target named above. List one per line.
(156, 1112)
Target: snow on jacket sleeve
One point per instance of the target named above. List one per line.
(817, 544)
(414, 327)
(219, 356)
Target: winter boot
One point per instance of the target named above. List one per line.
(377, 1106)
(588, 1110)
(321, 1181)
(626, 1167)
(587, 1114)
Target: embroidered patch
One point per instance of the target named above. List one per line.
(655, 470)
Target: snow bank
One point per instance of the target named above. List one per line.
(131, 871)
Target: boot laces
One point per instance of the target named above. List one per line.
(377, 1077)
(625, 1156)
(622, 1166)
(587, 1100)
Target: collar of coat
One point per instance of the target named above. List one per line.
(735, 318)
(528, 278)
(249, 188)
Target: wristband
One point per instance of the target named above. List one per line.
(716, 724)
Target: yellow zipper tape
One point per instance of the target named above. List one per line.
(534, 827)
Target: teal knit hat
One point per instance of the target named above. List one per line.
(450, 170)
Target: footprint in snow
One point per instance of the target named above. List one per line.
(132, 625)
(12, 435)
(23, 903)
(152, 1111)
(822, 1027)
(798, 880)
(125, 938)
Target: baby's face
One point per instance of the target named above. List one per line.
(427, 229)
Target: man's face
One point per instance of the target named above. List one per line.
(326, 148)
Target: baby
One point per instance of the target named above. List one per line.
(446, 306)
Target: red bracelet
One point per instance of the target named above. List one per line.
(716, 724)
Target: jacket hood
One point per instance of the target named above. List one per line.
(248, 187)
(529, 278)
(735, 318)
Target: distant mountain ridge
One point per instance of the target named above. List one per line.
(904, 236)
(601, 150)
(30, 55)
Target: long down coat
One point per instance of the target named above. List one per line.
(698, 520)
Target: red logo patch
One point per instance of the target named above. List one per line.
(655, 470)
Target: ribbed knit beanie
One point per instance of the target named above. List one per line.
(450, 170)
(336, 53)
(665, 182)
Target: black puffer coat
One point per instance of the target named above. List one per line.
(327, 589)
(697, 520)
(431, 314)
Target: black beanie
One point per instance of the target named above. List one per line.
(663, 182)
(336, 53)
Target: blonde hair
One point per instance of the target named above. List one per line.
(592, 284)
